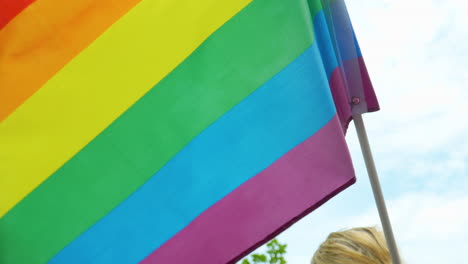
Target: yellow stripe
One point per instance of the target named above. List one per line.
(97, 86)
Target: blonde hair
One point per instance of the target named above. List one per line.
(363, 245)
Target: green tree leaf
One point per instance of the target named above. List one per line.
(274, 254)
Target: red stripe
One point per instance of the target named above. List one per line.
(270, 202)
(9, 9)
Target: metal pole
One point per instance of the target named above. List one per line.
(376, 189)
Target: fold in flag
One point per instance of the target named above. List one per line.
(157, 131)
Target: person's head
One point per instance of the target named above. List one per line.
(363, 245)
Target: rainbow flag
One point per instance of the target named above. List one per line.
(162, 131)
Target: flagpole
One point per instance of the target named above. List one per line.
(376, 189)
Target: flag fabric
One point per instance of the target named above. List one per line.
(170, 131)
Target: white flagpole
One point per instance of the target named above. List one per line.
(376, 189)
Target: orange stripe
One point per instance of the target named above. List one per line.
(45, 37)
(11, 8)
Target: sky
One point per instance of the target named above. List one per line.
(416, 53)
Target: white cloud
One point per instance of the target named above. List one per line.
(407, 34)
(420, 137)
(430, 228)
(416, 53)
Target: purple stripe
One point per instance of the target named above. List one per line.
(371, 98)
(340, 96)
(265, 205)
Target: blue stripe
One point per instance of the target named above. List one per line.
(325, 43)
(347, 50)
(278, 116)
(356, 44)
(342, 31)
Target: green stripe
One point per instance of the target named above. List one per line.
(245, 53)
